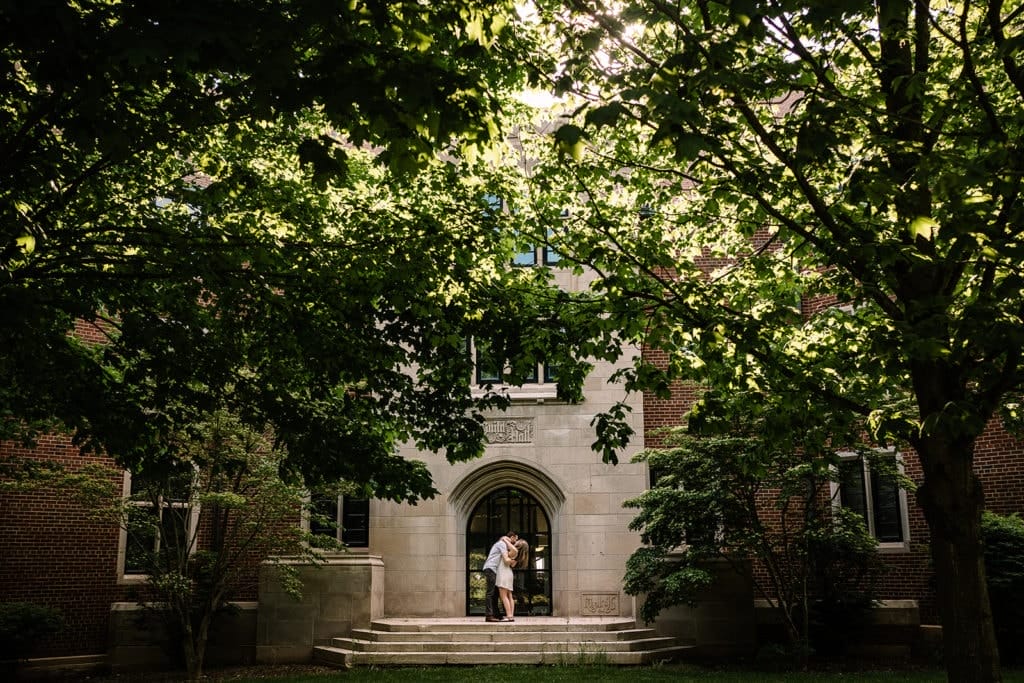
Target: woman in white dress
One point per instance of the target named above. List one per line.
(504, 581)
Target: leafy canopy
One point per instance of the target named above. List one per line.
(221, 194)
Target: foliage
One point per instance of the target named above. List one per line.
(22, 624)
(614, 674)
(1004, 564)
(730, 170)
(218, 199)
(740, 497)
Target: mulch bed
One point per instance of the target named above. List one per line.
(232, 673)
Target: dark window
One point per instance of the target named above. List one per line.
(343, 518)
(550, 373)
(159, 519)
(355, 522)
(875, 496)
(490, 368)
(488, 365)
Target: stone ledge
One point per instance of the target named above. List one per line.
(41, 668)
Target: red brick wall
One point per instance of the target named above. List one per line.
(52, 554)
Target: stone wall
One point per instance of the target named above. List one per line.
(344, 593)
(543, 447)
(722, 624)
(138, 640)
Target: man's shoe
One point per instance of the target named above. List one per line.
(492, 619)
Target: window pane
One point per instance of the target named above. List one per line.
(531, 378)
(552, 257)
(550, 373)
(493, 203)
(886, 499)
(526, 257)
(173, 535)
(488, 367)
(355, 522)
(851, 487)
(179, 484)
(141, 542)
(323, 515)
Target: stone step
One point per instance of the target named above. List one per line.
(528, 640)
(340, 657)
(475, 624)
(504, 632)
(532, 644)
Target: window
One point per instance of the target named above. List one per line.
(526, 254)
(875, 494)
(550, 256)
(491, 369)
(160, 520)
(488, 365)
(344, 518)
(550, 373)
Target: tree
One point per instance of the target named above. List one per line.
(199, 522)
(722, 161)
(751, 488)
(222, 193)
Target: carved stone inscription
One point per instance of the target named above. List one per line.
(509, 430)
(600, 605)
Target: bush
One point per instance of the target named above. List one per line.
(22, 624)
(1004, 566)
(845, 566)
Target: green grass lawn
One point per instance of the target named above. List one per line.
(571, 674)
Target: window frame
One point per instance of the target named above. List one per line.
(339, 517)
(540, 386)
(835, 486)
(191, 529)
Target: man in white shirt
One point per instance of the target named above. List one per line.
(500, 548)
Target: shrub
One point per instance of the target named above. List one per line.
(22, 624)
(1004, 565)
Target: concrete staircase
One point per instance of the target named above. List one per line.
(528, 640)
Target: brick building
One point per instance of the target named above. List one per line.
(538, 475)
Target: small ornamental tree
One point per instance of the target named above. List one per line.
(741, 496)
(199, 528)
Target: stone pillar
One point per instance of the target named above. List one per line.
(343, 593)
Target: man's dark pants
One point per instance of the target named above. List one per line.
(491, 599)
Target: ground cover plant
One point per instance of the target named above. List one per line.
(572, 674)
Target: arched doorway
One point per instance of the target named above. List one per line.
(504, 509)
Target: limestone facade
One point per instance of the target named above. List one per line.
(541, 448)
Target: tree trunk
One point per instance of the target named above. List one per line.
(952, 500)
(193, 665)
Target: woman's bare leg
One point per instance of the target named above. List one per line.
(506, 600)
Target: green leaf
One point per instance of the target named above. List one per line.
(607, 115)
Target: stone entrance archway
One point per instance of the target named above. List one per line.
(503, 494)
